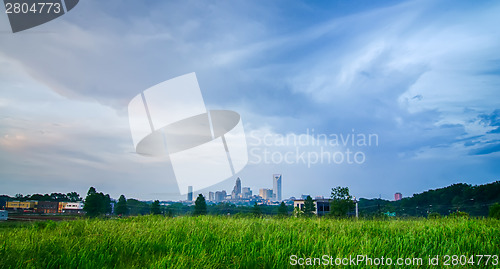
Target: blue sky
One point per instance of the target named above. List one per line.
(422, 75)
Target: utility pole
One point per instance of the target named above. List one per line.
(356, 204)
(357, 212)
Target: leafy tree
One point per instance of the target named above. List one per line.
(341, 202)
(200, 205)
(91, 191)
(494, 211)
(459, 214)
(297, 212)
(170, 213)
(256, 209)
(105, 203)
(121, 206)
(58, 197)
(223, 209)
(136, 207)
(309, 207)
(434, 215)
(282, 210)
(155, 208)
(40, 197)
(92, 203)
(178, 209)
(73, 196)
(96, 203)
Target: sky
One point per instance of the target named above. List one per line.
(422, 77)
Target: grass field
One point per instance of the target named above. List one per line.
(229, 242)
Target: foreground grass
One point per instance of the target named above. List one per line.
(225, 242)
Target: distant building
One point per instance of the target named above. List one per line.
(190, 193)
(60, 207)
(277, 187)
(211, 196)
(237, 189)
(47, 207)
(322, 206)
(220, 196)
(26, 206)
(246, 192)
(73, 208)
(304, 196)
(398, 196)
(266, 194)
(4, 215)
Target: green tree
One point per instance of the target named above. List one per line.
(73, 196)
(58, 197)
(155, 208)
(256, 209)
(105, 202)
(92, 204)
(459, 215)
(297, 212)
(341, 202)
(434, 215)
(282, 209)
(309, 207)
(494, 211)
(121, 206)
(136, 207)
(200, 205)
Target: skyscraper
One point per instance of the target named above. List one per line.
(398, 196)
(190, 193)
(236, 189)
(277, 187)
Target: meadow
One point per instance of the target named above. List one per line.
(246, 242)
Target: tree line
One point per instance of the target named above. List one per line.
(480, 200)
(475, 200)
(53, 197)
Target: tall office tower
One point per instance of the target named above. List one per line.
(277, 187)
(237, 189)
(238, 186)
(211, 196)
(190, 193)
(398, 196)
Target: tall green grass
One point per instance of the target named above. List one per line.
(228, 242)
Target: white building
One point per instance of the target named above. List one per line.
(73, 207)
(322, 206)
(4, 215)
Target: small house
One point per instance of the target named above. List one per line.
(4, 215)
